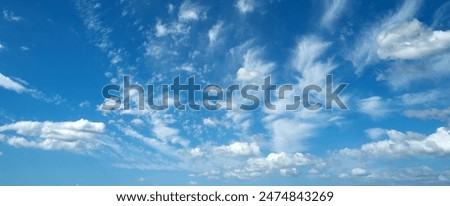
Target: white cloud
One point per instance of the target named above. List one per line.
(374, 106)
(333, 10)
(441, 16)
(10, 84)
(402, 144)
(191, 11)
(2, 47)
(137, 122)
(375, 133)
(257, 167)
(10, 16)
(196, 152)
(238, 149)
(78, 136)
(411, 40)
(245, 6)
(359, 172)
(289, 172)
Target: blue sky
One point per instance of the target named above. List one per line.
(55, 58)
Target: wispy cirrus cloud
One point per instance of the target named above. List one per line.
(20, 86)
(404, 144)
(10, 16)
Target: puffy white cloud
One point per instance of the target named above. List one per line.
(210, 122)
(10, 84)
(307, 61)
(410, 143)
(374, 106)
(359, 172)
(74, 136)
(333, 9)
(411, 40)
(256, 167)
(191, 11)
(289, 172)
(245, 6)
(196, 152)
(238, 149)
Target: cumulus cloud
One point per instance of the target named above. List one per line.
(333, 9)
(78, 136)
(365, 49)
(358, 172)
(196, 152)
(411, 40)
(245, 6)
(257, 167)
(401, 144)
(289, 172)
